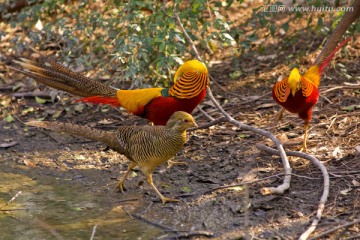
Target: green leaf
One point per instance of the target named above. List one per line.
(9, 118)
(186, 189)
(40, 100)
(350, 108)
(78, 209)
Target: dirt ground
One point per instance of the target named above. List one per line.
(221, 155)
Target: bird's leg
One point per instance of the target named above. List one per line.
(164, 200)
(306, 127)
(278, 116)
(120, 185)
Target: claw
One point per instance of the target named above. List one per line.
(165, 200)
(172, 163)
(120, 187)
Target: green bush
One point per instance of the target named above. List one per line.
(140, 40)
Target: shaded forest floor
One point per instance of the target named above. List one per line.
(217, 156)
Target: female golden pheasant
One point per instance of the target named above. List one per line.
(154, 104)
(145, 146)
(299, 93)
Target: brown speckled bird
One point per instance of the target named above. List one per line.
(145, 146)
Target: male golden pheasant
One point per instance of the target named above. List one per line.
(299, 93)
(154, 104)
(145, 146)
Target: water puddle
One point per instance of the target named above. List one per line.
(48, 208)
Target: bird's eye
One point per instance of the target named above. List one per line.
(186, 120)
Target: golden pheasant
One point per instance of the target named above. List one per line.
(145, 146)
(154, 104)
(299, 93)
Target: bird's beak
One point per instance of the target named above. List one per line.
(194, 124)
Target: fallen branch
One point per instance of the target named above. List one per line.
(267, 190)
(188, 235)
(159, 225)
(326, 189)
(93, 232)
(240, 184)
(212, 123)
(334, 229)
(205, 113)
(11, 200)
(340, 87)
(42, 94)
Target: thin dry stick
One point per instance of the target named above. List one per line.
(205, 114)
(212, 123)
(340, 87)
(188, 235)
(178, 21)
(156, 224)
(334, 229)
(267, 190)
(93, 232)
(11, 200)
(325, 193)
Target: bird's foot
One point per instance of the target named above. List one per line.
(120, 187)
(165, 200)
(305, 150)
(172, 163)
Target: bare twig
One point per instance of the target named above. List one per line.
(93, 232)
(43, 94)
(178, 21)
(159, 225)
(11, 200)
(188, 235)
(240, 184)
(267, 190)
(212, 123)
(325, 194)
(205, 113)
(334, 229)
(340, 87)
